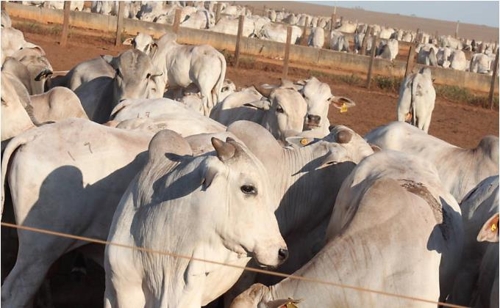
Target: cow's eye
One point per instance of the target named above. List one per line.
(279, 109)
(118, 73)
(248, 190)
(148, 76)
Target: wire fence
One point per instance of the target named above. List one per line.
(250, 269)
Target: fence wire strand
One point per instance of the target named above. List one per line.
(251, 269)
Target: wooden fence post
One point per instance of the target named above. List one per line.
(365, 38)
(287, 51)
(119, 23)
(65, 29)
(409, 62)
(333, 22)
(417, 37)
(217, 12)
(372, 57)
(304, 38)
(241, 23)
(493, 80)
(456, 30)
(177, 21)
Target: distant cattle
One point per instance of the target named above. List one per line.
(316, 37)
(182, 65)
(417, 98)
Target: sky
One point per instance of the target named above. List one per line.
(473, 12)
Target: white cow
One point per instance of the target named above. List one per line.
(417, 98)
(68, 178)
(426, 54)
(458, 60)
(309, 175)
(57, 104)
(460, 169)
(38, 66)
(162, 113)
(222, 213)
(6, 22)
(338, 41)
(15, 118)
(318, 96)
(229, 25)
(480, 63)
(142, 41)
(371, 245)
(85, 72)
(183, 65)
(133, 78)
(278, 32)
(283, 117)
(488, 271)
(477, 207)
(388, 49)
(201, 19)
(316, 37)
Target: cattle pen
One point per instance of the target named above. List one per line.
(321, 59)
(461, 124)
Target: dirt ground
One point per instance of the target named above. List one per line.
(461, 125)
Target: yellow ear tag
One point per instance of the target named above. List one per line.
(343, 109)
(304, 141)
(493, 227)
(291, 305)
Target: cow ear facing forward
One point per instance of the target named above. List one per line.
(489, 231)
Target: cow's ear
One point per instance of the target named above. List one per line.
(298, 141)
(489, 231)
(128, 41)
(224, 150)
(375, 147)
(341, 102)
(210, 173)
(153, 48)
(107, 58)
(263, 104)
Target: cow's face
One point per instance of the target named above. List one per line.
(288, 108)
(244, 215)
(133, 77)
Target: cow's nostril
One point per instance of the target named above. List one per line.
(283, 254)
(313, 118)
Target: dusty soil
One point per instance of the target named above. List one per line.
(461, 125)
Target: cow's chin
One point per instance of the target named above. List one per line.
(311, 126)
(267, 259)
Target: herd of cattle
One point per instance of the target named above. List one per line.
(159, 154)
(443, 51)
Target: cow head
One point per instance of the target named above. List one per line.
(237, 184)
(133, 78)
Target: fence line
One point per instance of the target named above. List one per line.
(251, 269)
(260, 48)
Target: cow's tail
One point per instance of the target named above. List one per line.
(12, 146)
(220, 82)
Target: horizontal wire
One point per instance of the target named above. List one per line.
(251, 269)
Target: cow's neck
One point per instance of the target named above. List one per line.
(308, 195)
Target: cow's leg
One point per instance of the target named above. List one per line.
(36, 254)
